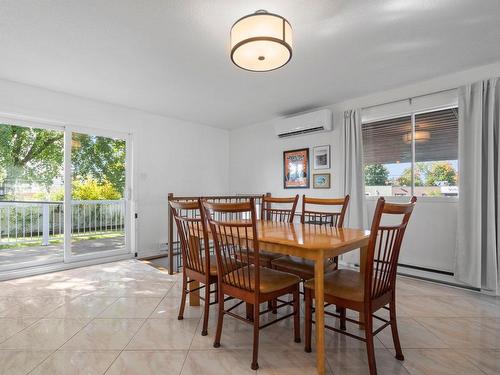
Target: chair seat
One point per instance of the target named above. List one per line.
(300, 266)
(264, 257)
(270, 280)
(345, 284)
(213, 266)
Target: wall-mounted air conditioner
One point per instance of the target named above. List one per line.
(307, 123)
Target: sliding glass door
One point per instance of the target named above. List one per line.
(99, 205)
(64, 194)
(31, 194)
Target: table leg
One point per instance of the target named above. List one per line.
(194, 297)
(363, 252)
(319, 286)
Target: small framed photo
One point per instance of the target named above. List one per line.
(321, 181)
(296, 169)
(321, 156)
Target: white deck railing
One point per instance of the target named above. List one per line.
(27, 222)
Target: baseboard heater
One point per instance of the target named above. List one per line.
(429, 277)
(432, 270)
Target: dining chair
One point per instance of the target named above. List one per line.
(235, 241)
(369, 292)
(279, 210)
(314, 212)
(197, 263)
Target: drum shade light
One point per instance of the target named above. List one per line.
(261, 42)
(421, 136)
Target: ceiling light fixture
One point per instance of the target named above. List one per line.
(421, 136)
(261, 42)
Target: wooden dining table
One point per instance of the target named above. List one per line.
(316, 243)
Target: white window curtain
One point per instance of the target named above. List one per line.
(478, 236)
(352, 179)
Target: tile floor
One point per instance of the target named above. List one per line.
(121, 318)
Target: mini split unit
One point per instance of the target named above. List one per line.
(307, 123)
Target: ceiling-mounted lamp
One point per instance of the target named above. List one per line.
(261, 42)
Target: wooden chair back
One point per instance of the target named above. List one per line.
(332, 219)
(384, 247)
(283, 214)
(235, 241)
(193, 238)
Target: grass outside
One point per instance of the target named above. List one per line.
(56, 240)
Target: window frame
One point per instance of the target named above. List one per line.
(413, 114)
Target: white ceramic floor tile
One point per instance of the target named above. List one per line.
(487, 360)
(164, 334)
(438, 361)
(11, 326)
(20, 362)
(218, 362)
(83, 307)
(354, 361)
(131, 307)
(29, 307)
(76, 363)
(412, 335)
(104, 334)
(148, 363)
(123, 294)
(46, 334)
(169, 308)
(465, 332)
(279, 362)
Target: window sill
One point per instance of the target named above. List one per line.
(419, 199)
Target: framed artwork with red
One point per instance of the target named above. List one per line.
(296, 169)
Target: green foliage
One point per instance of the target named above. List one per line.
(56, 195)
(30, 155)
(101, 158)
(88, 189)
(91, 189)
(35, 156)
(441, 171)
(376, 175)
(405, 178)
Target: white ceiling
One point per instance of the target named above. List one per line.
(172, 57)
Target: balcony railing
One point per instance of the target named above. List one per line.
(41, 221)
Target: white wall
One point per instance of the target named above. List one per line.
(256, 166)
(169, 155)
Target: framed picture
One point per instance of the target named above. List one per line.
(321, 180)
(321, 155)
(296, 169)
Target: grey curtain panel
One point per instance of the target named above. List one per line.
(478, 236)
(352, 179)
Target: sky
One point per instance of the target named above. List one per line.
(395, 170)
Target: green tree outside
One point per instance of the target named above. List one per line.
(36, 156)
(30, 155)
(101, 158)
(440, 171)
(405, 178)
(376, 175)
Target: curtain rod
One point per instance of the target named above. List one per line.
(409, 99)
